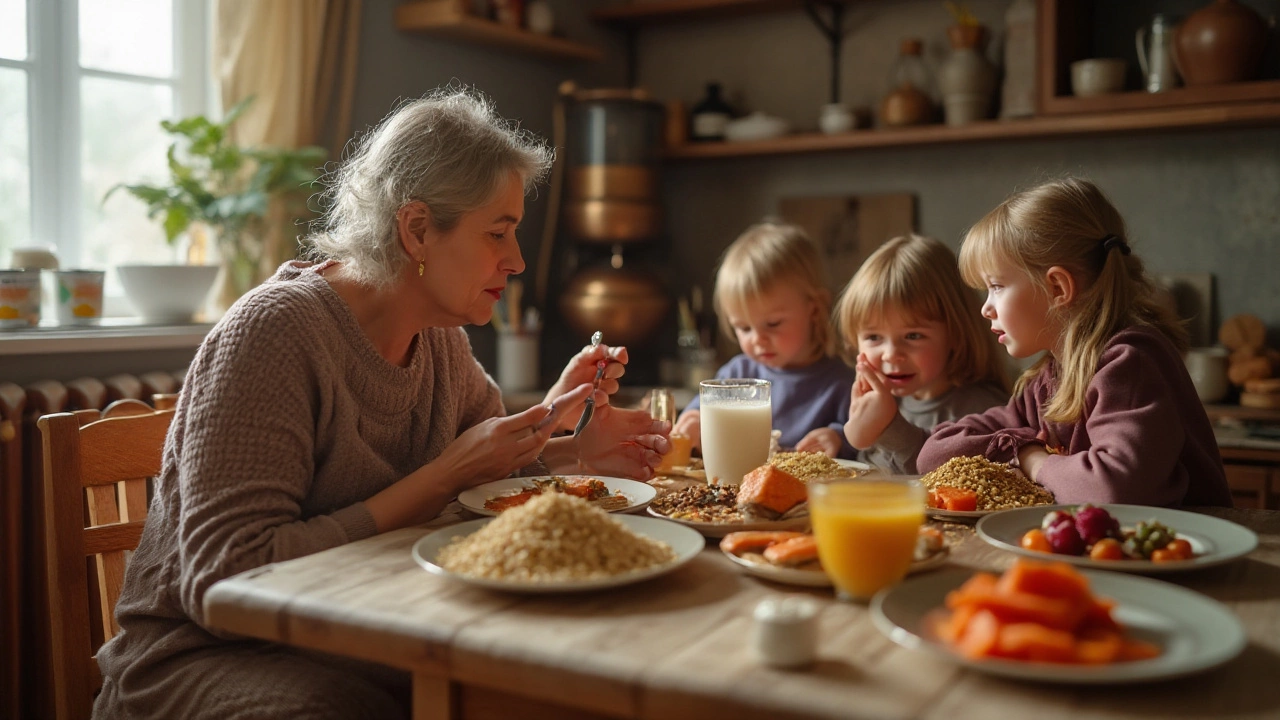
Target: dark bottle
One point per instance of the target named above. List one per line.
(709, 117)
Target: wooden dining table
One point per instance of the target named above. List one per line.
(677, 646)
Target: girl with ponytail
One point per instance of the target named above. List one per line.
(1108, 413)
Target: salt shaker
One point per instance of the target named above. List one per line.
(785, 633)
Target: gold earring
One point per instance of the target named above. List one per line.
(422, 267)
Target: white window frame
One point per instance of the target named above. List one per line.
(53, 107)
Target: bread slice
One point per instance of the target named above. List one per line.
(769, 492)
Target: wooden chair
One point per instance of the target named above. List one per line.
(96, 467)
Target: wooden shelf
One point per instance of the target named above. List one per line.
(445, 19)
(1185, 118)
(1257, 91)
(1239, 412)
(654, 12)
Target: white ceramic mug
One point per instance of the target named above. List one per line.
(1207, 367)
(517, 361)
(79, 296)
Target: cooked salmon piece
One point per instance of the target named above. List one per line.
(768, 490)
(795, 551)
(737, 543)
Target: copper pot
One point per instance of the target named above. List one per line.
(1220, 43)
(626, 304)
(612, 220)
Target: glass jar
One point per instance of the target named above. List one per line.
(909, 100)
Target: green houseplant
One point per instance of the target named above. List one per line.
(229, 190)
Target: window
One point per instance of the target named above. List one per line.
(84, 85)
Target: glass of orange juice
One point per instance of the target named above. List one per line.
(662, 406)
(866, 530)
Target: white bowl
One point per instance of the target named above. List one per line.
(1097, 76)
(167, 293)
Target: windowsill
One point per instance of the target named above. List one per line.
(111, 334)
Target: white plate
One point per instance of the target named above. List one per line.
(815, 577)
(1213, 540)
(718, 530)
(639, 494)
(853, 465)
(1194, 632)
(962, 516)
(686, 544)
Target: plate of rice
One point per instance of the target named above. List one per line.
(557, 543)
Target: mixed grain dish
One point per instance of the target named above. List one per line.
(591, 489)
(809, 466)
(998, 486)
(701, 503)
(553, 538)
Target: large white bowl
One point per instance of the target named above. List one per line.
(167, 293)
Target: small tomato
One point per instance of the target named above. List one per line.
(1035, 540)
(1106, 549)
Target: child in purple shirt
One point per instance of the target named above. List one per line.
(1109, 413)
(771, 297)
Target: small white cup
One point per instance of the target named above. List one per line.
(835, 118)
(517, 361)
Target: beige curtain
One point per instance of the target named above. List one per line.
(297, 58)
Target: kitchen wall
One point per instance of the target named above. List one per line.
(1205, 201)
(1195, 201)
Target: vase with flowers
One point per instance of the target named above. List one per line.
(230, 193)
(967, 79)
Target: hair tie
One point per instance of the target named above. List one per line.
(1111, 242)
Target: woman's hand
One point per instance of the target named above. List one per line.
(622, 443)
(871, 406)
(823, 440)
(497, 447)
(690, 424)
(582, 369)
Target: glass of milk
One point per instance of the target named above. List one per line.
(736, 417)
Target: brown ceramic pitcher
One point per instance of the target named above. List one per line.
(1220, 43)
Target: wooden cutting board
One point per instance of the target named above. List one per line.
(849, 228)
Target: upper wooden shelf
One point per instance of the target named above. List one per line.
(653, 12)
(445, 19)
(1182, 118)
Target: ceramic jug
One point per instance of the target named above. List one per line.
(1158, 74)
(1220, 43)
(967, 78)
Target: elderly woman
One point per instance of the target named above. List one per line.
(341, 400)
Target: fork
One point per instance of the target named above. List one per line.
(589, 406)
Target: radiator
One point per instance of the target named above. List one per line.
(25, 690)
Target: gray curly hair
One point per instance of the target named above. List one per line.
(449, 149)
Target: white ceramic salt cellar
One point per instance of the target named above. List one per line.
(785, 632)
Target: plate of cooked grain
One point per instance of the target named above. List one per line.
(989, 487)
(557, 543)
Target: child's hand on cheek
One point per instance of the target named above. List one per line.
(823, 440)
(871, 406)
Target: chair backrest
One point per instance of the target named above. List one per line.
(96, 468)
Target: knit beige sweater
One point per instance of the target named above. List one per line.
(288, 421)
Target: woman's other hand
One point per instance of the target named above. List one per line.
(690, 424)
(871, 406)
(582, 369)
(497, 447)
(823, 440)
(623, 443)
